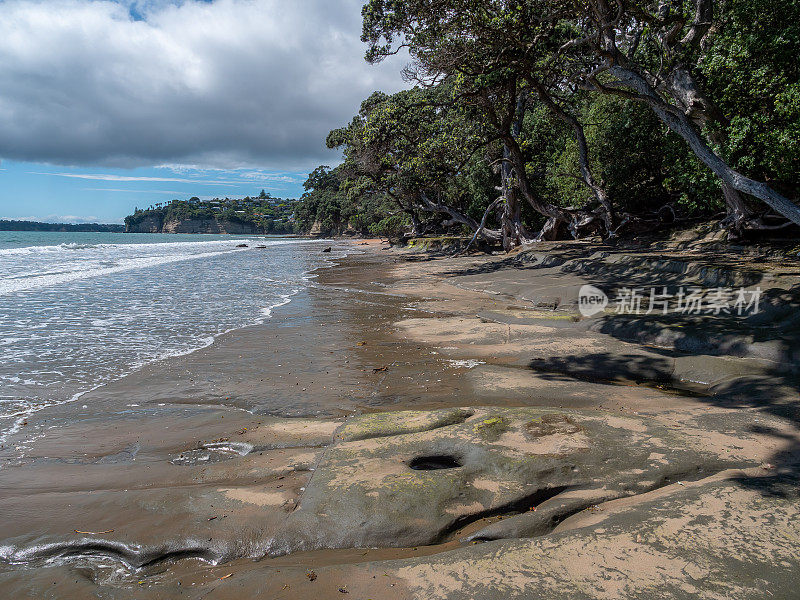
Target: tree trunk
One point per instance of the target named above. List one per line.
(490, 235)
(701, 110)
(587, 175)
(551, 230)
(514, 232)
(678, 122)
(558, 218)
(481, 227)
(415, 224)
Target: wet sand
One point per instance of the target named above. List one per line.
(170, 481)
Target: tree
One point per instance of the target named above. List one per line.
(652, 52)
(480, 44)
(418, 152)
(321, 204)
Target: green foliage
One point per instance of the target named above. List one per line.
(12, 225)
(408, 154)
(392, 226)
(268, 215)
(642, 165)
(753, 71)
(400, 152)
(321, 205)
(731, 66)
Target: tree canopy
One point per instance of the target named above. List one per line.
(539, 119)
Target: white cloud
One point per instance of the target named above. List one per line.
(61, 219)
(28, 218)
(70, 219)
(170, 192)
(226, 84)
(245, 174)
(112, 177)
(242, 177)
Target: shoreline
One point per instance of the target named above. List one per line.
(20, 418)
(383, 331)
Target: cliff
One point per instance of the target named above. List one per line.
(246, 216)
(209, 226)
(149, 224)
(153, 224)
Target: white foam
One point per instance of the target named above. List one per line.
(152, 245)
(38, 267)
(465, 364)
(285, 299)
(9, 286)
(118, 258)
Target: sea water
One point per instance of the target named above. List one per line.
(80, 309)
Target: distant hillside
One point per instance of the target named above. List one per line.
(6, 225)
(262, 214)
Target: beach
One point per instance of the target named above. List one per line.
(399, 300)
(417, 426)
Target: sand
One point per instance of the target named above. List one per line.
(175, 478)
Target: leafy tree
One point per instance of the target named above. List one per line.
(654, 52)
(417, 152)
(761, 128)
(321, 204)
(495, 50)
(662, 54)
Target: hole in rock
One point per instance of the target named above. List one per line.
(433, 463)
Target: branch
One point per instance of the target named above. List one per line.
(482, 226)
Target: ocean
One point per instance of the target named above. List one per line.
(78, 310)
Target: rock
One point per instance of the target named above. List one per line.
(209, 226)
(404, 479)
(725, 538)
(412, 478)
(316, 229)
(149, 224)
(328, 249)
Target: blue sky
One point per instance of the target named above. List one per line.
(108, 105)
(41, 192)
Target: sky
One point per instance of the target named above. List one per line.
(110, 105)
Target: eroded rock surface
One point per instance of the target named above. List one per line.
(483, 462)
(734, 538)
(396, 479)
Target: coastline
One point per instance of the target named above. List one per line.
(382, 331)
(21, 417)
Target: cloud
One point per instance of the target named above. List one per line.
(225, 84)
(238, 176)
(70, 219)
(112, 177)
(57, 219)
(247, 175)
(122, 190)
(28, 218)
